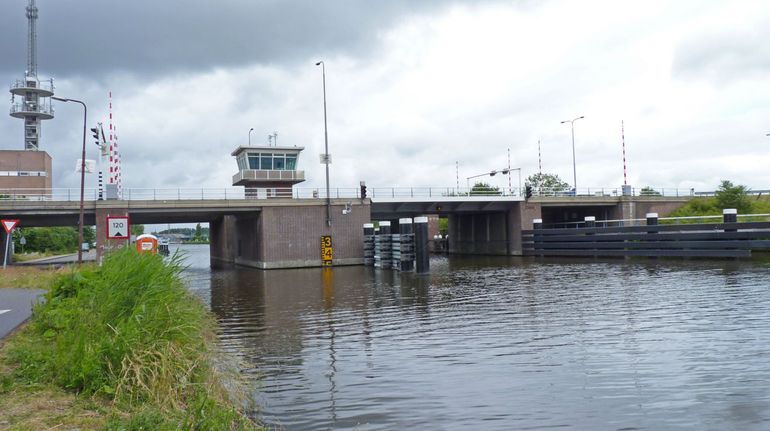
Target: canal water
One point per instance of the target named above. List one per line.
(501, 344)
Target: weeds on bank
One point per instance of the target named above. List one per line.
(130, 333)
(28, 277)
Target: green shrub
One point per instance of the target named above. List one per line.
(729, 195)
(129, 331)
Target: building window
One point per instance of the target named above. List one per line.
(253, 160)
(279, 162)
(291, 163)
(266, 161)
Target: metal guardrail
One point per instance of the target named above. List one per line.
(73, 194)
(92, 194)
(663, 220)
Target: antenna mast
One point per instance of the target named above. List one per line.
(35, 104)
(31, 40)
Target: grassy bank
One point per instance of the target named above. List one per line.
(120, 347)
(28, 277)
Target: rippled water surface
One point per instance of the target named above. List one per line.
(501, 344)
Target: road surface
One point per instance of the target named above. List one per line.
(89, 256)
(15, 308)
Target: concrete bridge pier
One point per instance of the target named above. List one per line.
(104, 244)
(289, 236)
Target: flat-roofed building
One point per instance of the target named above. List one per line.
(266, 171)
(29, 170)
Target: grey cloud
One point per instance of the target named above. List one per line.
(724, 57)
(92, 37)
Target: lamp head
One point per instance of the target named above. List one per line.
(319, 63)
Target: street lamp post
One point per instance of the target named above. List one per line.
(505, 171)
(82, 176)
(326, 149)
(574, 170)
(468, 179)
(250, 130)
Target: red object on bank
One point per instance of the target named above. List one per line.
(147, 243)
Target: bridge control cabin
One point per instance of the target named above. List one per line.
(267, 171)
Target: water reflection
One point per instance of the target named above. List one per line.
(503, 343)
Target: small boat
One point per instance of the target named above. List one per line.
(163, 246)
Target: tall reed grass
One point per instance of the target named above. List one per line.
(131, 332)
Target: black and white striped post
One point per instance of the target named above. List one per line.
(422, 256)
(101, 185)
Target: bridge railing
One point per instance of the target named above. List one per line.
(165, 194)
(91, 194)
(748, 218)
(616, 191)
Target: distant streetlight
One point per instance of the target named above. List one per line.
(326, 149)
(574, 170)
(82, 176)
(250, 130)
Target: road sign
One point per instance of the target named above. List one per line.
(90, 166)
(9, 225)
(118, 227)
(326, 250)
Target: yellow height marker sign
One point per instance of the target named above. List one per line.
(326, 250)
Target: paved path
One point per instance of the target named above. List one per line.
(88, 256)
(15, 308)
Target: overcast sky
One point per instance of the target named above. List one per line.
(412, 87)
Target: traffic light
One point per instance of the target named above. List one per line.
(528, 191)
(95, 132)
(363, 190)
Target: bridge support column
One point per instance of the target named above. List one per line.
(289, 236)
(103, 244)
(222, 242)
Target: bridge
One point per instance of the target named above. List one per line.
(280, 227)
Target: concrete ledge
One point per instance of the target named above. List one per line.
(287, 264)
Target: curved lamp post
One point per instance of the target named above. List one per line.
(82, 175)
(250, 130)
(326, 149)
(574, 170)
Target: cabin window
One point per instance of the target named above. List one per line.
(266, 161)
(279, 162)
(291, 163)
(253, 161)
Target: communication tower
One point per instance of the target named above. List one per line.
(35, 95)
